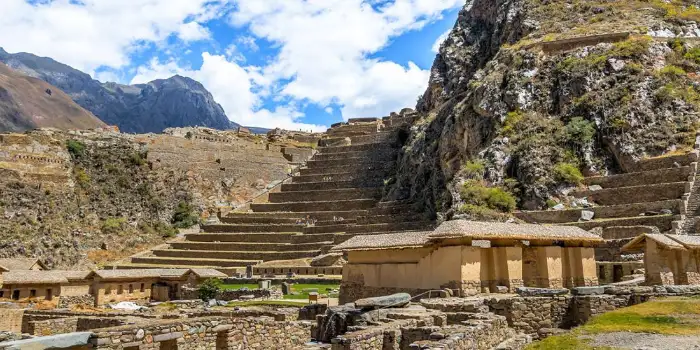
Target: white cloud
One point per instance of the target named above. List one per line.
(329, 110)
(249, 42)
(193, 31)
(440, 40)
(93, 33)
(324, 48)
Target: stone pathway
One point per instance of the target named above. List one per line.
(645, 341)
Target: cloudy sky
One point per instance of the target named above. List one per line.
(270, 63)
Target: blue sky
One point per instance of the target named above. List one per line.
(296, 64)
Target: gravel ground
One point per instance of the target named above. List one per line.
(645, 341)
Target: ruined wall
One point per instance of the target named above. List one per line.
(72, 324)
(11, 320)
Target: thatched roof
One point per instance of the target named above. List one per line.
(133, 274)
(662, 240)
(500, 230)
(22, 264)
(690, 242)
(385, 241)
(34, 277)
(208, 273)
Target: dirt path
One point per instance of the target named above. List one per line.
(645, 341)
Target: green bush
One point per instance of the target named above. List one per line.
(75, 148)
(474, 170)
(113, 225)
(137, 159)
(209, 289)
(184, 216)
(160, 228)
(474, 192)
(188, 135)
(568, 173)
(693, 55)
(672, 71)
(82, 178)
(511, 121)
(580, 131)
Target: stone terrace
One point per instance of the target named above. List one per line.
(656, 195)
(333, 198)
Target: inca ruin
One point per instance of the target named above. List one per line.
(231, 174)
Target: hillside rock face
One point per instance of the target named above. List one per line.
(141, 108)
(513, 116)
(28, 103)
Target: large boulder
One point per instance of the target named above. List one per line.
(394, 300)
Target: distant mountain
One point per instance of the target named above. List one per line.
(29, 103)
(152, 107)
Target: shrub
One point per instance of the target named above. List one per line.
(137, 159)
(475, 193)
(113, 225)
(481, 213)
(75, 148)
(672, 71)
(162, 229)
(184, 216)
(188, 135)
(580, 131)
(568, 173)
(632, 47)
(474, 170)
(82, 178)
(509, 124)
(209, 289)
(693, 55)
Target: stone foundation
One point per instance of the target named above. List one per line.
(66, 302)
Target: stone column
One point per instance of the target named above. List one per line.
(549, 264)
(472, 267)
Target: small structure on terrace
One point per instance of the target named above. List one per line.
(469, 257)
(668, 259)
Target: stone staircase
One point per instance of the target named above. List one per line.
(333, 198)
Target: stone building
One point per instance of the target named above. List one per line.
(100, 287)
(469, 257)
(23, 264)
(668, 259)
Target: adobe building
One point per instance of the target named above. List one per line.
(100, 287)
(668, 259)
(468, 257)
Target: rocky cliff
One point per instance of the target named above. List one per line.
(28, 103)
(527, 96)
(141, 108)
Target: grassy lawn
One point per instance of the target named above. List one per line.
(238, 286)
(670, 316)
(322, 289)
(265, 303)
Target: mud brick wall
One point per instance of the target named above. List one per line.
(11, 320)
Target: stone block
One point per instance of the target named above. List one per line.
(394, 300)
(679, 289)
(167, 336)
(596, 290)
(540, 292)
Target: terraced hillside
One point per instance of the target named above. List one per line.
(657, 195)
(334, 197)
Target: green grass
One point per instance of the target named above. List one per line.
(670, 316)
(238, 286)
(299, 288)
(264, 303)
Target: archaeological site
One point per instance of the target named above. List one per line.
(543, 192)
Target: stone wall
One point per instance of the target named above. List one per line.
(206, 333)
(65, 302)
(71, 324)
(11, 320)
(193, 293)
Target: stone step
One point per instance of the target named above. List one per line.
(363, 120)
(325, 195)
(258, 220)
(359, 168)
(665, 175)
(250, 246)
(366, 128)
(624, 232)
(367, 147)
(386, 219)
(235, 255)
(241, 237)
(666, 162)
(335, 222)
(383, 227)
(339, 205)
(342, 163)
(378, 154)
(634, 194)
(167, 261)
(314, 238)
(663, 222)
(369, 177)
(601, 212)
(331, 185)
(224, 228)
(315, 215)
